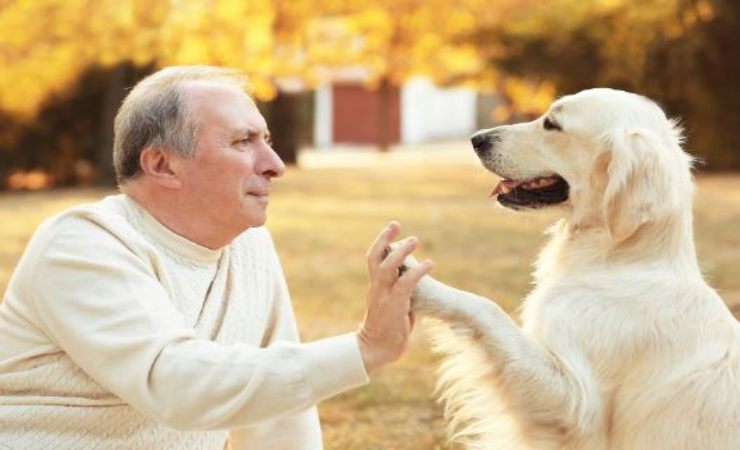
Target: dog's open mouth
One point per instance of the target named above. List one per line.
(541, 191)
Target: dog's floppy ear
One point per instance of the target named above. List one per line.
(640, 187)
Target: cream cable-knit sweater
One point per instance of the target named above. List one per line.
(117, 333)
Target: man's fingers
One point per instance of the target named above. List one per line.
(398, 253)
(412, 276)
(376, 253)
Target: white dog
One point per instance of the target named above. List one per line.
(622, 344)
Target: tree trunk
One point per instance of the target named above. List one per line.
(114, 94)
(384, 114)
(283, 124)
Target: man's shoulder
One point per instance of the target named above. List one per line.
(106, 217)
(95, 229)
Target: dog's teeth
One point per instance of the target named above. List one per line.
(538, 183)
(547, 182)
(505, 187)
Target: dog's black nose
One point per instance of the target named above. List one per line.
(481, 142)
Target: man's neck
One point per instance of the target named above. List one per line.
(166, 208)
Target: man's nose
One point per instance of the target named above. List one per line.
(274, 167)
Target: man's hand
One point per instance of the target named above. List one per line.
(389, 319)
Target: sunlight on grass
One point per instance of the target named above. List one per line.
(323, 219)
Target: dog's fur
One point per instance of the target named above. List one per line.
(622, 343)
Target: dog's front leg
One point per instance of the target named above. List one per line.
(556, 392)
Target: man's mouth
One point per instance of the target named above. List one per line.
(259, 196)
(258, 191)
(534, 193)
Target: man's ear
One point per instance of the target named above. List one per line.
(157, 164)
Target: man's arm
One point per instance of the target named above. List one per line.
(102, 305)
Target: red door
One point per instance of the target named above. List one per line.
(358, 115)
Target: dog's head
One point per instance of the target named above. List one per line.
(612, 158)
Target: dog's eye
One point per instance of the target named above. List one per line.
(550, 125)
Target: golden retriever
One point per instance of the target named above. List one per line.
(622, 344)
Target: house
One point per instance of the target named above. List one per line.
(348, 112)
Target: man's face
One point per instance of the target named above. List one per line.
(227, 184)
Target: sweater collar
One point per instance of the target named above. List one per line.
(168, 238)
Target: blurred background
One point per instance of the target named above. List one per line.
(367, 72)
(371, 102)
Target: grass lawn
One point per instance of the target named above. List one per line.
(324, 216)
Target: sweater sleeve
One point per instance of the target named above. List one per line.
(101, 303)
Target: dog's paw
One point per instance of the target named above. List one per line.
(424, 295)
(408, 263)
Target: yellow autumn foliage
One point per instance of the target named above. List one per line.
(46, 44)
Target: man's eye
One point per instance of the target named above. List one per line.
(268, 141)
(550, 125)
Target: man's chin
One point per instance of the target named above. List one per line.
(260, 223)
(257, 219)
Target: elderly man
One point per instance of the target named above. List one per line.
(159, 318)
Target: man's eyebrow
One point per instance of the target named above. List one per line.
(250, 132)
(244, 131)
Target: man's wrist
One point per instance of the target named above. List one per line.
(370, 357)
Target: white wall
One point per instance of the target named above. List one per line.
(322, 123)
(430, 113)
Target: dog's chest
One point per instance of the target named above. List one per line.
(606, 331)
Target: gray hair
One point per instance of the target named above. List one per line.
(155, 114)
